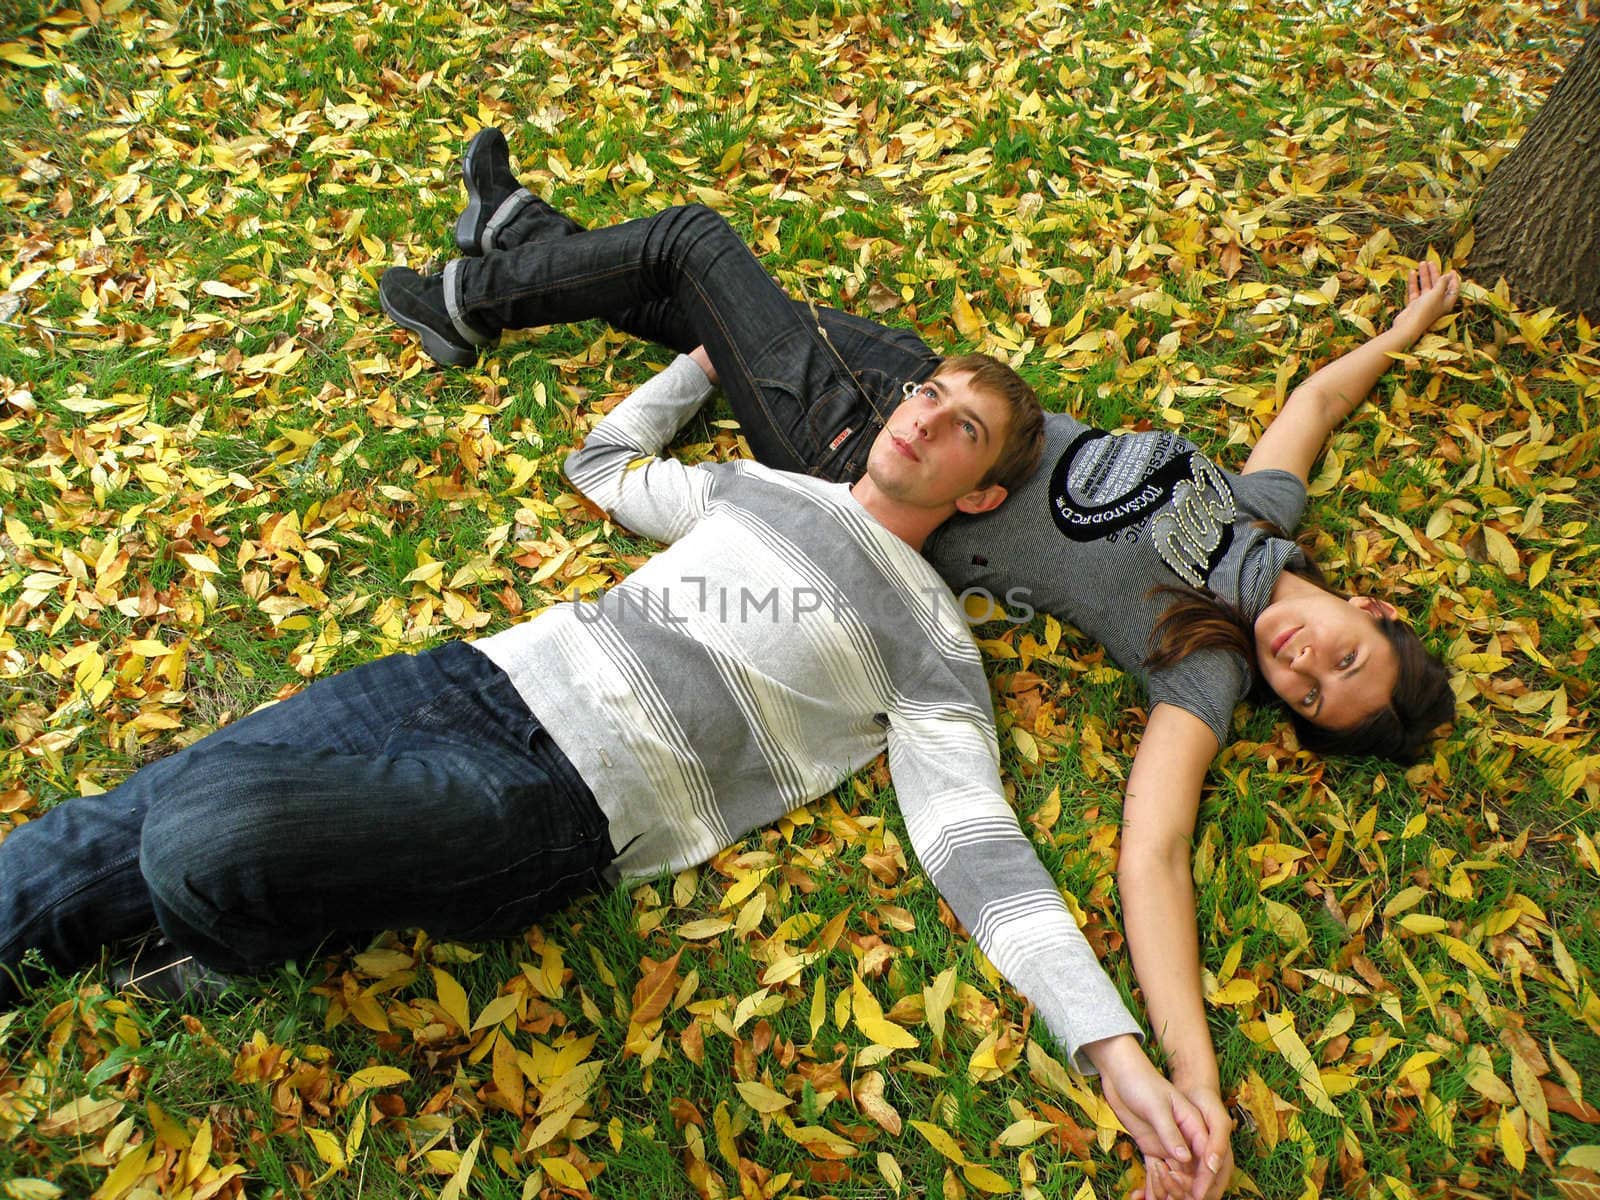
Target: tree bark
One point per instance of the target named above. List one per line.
(1537, 222)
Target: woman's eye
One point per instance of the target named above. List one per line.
(1310, 698)
(971, 430)
(1349, 660)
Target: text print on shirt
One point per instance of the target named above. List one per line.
(1104, 484)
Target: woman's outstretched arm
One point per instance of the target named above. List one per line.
(1156, 883)
(1314, 409)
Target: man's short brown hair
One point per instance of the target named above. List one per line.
(1024, 441)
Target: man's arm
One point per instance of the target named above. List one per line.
(946, 774)
(968, 839)
(1314, 409)
(618, 467)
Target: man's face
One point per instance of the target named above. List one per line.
(937, 446)
(1326, 657)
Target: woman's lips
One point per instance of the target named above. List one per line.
(1283, 639)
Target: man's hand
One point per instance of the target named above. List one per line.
(703, 360)
(1172, 1133)
(1429, 295)
(1206, 1176)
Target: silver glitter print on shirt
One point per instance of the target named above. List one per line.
(1109, 487)
(1192, 531)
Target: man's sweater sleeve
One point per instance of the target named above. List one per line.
(618, 467)
(946, 774)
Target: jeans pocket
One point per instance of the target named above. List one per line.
(838, 416)
(481, 711)
(878, 395)
(815, 428)
(546, 880)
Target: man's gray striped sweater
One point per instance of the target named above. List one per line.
(781, 642)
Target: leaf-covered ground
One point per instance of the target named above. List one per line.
(224, 473)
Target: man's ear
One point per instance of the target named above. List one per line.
(982, 500)
(1375, 607)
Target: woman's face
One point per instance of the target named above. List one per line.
(1325, 656)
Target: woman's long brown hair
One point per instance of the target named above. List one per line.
(1196, 620)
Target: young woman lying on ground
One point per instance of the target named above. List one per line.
(1182, 569)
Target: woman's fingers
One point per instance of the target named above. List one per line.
(1164, 1181)
(1154, 1188)
(1444, 292)
(1428, 285)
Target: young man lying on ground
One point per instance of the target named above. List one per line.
(789, 634)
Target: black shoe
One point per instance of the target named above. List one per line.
(486, 168)
(158, 970)
(417, 302)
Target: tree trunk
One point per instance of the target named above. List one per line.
(1538, 220)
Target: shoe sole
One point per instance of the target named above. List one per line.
(443, 352)
(170, 986)
(467, 223)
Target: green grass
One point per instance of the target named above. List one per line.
(891, 147)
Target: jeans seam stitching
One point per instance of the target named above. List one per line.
(56, 899)
(757, 388)
(552, 886)
(576, 280)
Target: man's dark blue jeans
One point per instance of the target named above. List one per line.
(810, 387)
(421, 791)
(413, 791)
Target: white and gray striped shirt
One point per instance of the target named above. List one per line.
(781, 642)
